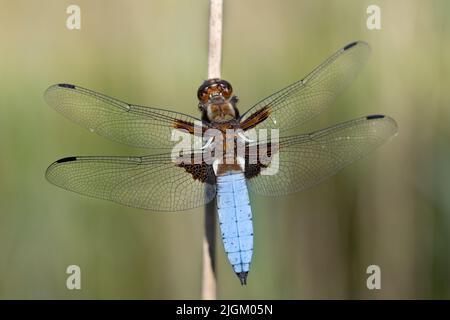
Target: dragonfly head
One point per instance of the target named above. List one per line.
(216, 101)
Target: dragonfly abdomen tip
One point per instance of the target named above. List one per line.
(243, 277)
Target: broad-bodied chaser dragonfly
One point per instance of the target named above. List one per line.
(162, 182)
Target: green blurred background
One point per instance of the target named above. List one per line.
(391, 209)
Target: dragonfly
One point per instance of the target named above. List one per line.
(161, 181)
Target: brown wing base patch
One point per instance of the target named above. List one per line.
(254, 168)
(199, 171)
(256, 118)
(184, 125)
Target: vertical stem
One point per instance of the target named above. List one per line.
(215, 39)
(209, 291)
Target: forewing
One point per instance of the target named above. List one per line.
(126, 123)
(305, 160)
(304, 99)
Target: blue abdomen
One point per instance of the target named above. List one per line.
(235, 218)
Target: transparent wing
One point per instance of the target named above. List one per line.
(151, 182)
(305, 160)
(133, 125)
(304, 99)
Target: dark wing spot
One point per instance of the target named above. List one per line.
(253, 170)
(66, 159)
(202, 172)
(66, 85)
(350, 45)
(375, 116)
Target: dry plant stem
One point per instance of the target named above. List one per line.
(215, 39)
(209, 291)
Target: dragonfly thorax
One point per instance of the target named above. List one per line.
(220, 112)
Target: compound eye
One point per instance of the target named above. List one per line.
(226, 92)
(203, 96)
